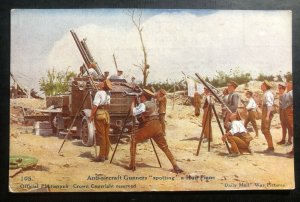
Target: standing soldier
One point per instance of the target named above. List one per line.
(225, 100)
(162, 106)
(197, 103)
(251, 108)
(288, 110)
(281, 90)
(150, 127)
(233, 100)
(267, 114)
(102, 120)
(205, 118)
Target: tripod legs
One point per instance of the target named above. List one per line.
(202, 132)
(211, 108)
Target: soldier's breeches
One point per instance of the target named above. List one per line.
(237, 144)
(102, 138)
(265, 126)
(289, 120)
(162, 122)
(252, 118)
(151, 129)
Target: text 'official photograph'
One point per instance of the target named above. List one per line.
(126, 100)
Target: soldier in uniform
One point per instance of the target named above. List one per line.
(106, 74)
(100, 114)
(225, 100)
(233, 100)
(150, 127)
(267, 114)
(251, 108)
(91, 71)
(206, 119)
(237, 136)
(162, 106)
(281, 92)
(118, 75)
(197, 103)
(288, 110)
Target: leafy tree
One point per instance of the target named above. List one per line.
(262, 77)
(288, 76)
(56, 82)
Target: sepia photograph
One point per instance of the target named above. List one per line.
(143, 100)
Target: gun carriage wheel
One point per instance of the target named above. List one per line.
(87, 132)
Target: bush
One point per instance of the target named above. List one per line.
(222, 78)
(56, 82)
(262, 77)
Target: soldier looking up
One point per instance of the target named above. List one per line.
(150, 127)
(237, 136)
(251, 116)
(267, 114)
(102, 120)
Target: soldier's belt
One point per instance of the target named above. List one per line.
(151, 118)
(103, 107)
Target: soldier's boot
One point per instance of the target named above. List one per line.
(269, 140)
(171, 159)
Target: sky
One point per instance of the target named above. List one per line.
(202, 41)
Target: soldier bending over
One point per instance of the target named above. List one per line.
(237, 136)
(150, 127)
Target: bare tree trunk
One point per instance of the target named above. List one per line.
(137, 23)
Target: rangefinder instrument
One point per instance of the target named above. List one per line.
(126, 100)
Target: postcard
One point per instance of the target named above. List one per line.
(138, 100)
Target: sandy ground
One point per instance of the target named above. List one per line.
(73, 169)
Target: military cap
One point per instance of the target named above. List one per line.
(249, 92)
(148, 92)
(121, 71)
(233, 83)
(107, 84)
(267, 83)
(163, 91)
(282, 85)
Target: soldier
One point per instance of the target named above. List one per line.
(233, 100)
(106, 74)
(118, 75)
(197, 103)
(288, 110)
(281, 90)
(206, 119)
(267, 114)
(251, 108)
(150, 127)
(162, 106)
(92, 71)
(225, 100)
(133, 84)
(100, 107)
(237, 136)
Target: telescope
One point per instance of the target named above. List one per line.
(126, 93)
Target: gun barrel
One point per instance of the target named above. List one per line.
(86, 55)
(209, 87)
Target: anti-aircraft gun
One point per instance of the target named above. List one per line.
(74, 107)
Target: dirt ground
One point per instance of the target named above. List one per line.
(74, 170)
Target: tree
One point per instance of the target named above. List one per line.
(56, 82)
(136, 20)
